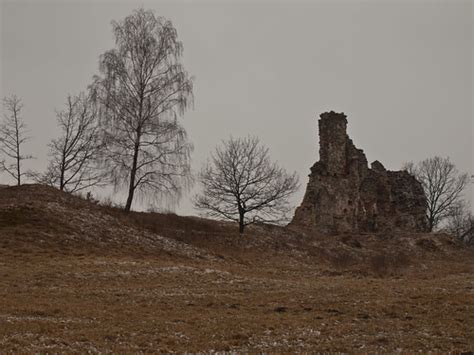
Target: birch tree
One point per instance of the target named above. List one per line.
(143, 89)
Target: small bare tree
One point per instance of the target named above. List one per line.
(75, 154)
(142, 90)
(241, 184)
(12, 137)
(460, 222)
(443, 186)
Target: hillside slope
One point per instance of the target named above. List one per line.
(41, 217)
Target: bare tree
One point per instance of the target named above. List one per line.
(443, 186)
(143, 89)
(75, 154)
(460, 223)
(12, 137)
(241, 184)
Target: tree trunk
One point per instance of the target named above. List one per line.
(133, 173)
(18, 155)
(18, 170)
(61, 179)
(430, 227)
(131, 188)
(430, 223)
(241, 223)
(131, 192)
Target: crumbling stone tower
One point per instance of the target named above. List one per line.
(332, 142)
(345, 195)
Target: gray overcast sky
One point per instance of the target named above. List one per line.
(402, 71)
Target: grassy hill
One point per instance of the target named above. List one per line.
(77, 276)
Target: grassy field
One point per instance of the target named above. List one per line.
(203, 288)
(99, 303)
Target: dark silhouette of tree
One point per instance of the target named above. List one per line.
(443, 186)
(241, 184)
(12, 137)
(75, 154)
(460, 222)
(142, 90)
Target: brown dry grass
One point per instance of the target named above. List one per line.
(270, 290)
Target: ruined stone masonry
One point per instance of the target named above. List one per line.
(345, 195)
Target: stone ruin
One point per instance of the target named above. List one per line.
(345, 195)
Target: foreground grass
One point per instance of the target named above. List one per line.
(145, 303)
